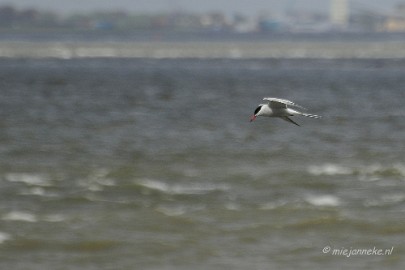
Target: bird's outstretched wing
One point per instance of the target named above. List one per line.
(281, 103)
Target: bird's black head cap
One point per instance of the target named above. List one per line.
(258, 109)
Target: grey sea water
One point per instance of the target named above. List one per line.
(151, 163)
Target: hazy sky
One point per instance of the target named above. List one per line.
(248, 7)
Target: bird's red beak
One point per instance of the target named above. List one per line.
(253, 118)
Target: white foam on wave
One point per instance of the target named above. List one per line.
(386, 199)
(178, 189)
(38, 191)
(97, 180)
(371, 172)
(29, 217)
(54, 218)
(29, 179)
(377, 171)
(329, 169)
(4, 237)
(323, 200)
(172, 211)
(100, 176)
(20, 216)
(178, 210)
(393, 198)
(232, 206)
(273, 205)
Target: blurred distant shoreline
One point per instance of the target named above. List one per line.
(160, 45)
(216, 23)
(72, 35)
(298, 34)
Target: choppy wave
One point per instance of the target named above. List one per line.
(25, 216)
(363, 172)
(29, 179)
(97, 180)
(323, 200)
(38, 191)
(177, 210)
(329, 169)
(386, 200)
(20, 216)
(188, 179)
(4, 237)
(180, 189)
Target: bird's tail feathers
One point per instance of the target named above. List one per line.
(311, 115)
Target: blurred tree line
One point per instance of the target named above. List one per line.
(15, 19)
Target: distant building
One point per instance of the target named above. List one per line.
(339, 13)
(396, 22)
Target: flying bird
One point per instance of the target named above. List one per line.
(282, 108)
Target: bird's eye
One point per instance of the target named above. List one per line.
(257, 109)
